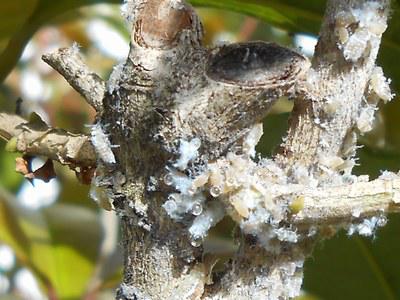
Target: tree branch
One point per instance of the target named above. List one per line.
(338, 98)
(70, 65)
(35, 138)
(335, 102)
(173, 98)
(341, 204)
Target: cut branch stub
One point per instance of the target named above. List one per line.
(238, 85)
(159, 24)
(216, 95)
(256, 64)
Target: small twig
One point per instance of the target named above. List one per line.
(56, 144)
(70, 65)
(335, 205)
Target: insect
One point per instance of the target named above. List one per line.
(102, 144)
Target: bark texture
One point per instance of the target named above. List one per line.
(34, 137)
(174, 140)
(180, 91)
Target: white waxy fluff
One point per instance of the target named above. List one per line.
(188, 151)
(102, 144)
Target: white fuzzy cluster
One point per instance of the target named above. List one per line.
(379, 86)
(177, 4)
(378, 89)
(359, 32)
(284, 280)
(130, 292)
(197, 195)
(368, 226)
(301, 175)
(205, 219)
(234, 185)
(102, 144)
(387, 175)
(366, 118)
(356, 29)
(256, 195)
(258, 207)
(75, 48)
(115, 76)
(188, 151)
(191, 197)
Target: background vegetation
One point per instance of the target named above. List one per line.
(61, 237)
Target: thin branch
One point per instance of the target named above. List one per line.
(333, 107)
(70, 65)
(41, 140)
(9, 125)
(335, 205)
(333, 104)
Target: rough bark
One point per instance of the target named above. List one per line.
(85, 82)
(37, 139)
(213, 109)
(175, 136)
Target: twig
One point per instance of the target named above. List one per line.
(56, 144)
(335, 205)
(70, 65)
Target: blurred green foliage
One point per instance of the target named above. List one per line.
(60, 244)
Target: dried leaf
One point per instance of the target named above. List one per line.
(22, 165)
(45, 172)
(85, 175)
(36, 122)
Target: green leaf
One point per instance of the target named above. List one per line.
(59, 244)
(23, 230)
(357, 268)
(9, 179)
(11, 232)
(75, 238)
(275, 127)
(291, 15)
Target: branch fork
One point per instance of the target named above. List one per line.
(174, 100)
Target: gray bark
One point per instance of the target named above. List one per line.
(175, 136)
